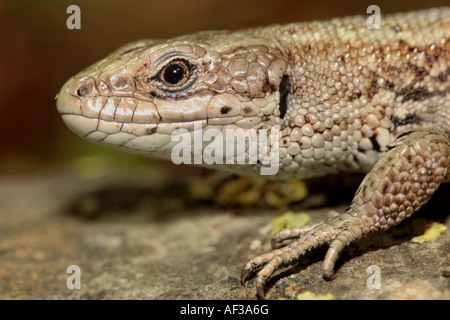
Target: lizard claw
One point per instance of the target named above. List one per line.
(338, 232)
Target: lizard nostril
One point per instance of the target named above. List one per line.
(83, 91)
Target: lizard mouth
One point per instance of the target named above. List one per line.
(143, 124)
(119, 122)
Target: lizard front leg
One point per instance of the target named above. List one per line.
(401, 182)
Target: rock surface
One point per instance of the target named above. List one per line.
(136, 237)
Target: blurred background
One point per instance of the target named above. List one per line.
(38, 54)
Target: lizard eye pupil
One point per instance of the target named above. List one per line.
(175, 73)
(175, 76)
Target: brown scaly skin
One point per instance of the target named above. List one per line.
(343, 97)
(398, 185)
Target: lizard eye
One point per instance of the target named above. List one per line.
(176, 73)
(175, 77)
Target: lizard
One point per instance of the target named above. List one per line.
(336, 95)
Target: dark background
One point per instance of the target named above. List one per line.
(38, 54)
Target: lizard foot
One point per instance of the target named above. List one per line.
(401, 182)
(336, 232)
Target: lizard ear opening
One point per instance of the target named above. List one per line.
(285, 89)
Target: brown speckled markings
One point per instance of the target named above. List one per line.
(341, 96)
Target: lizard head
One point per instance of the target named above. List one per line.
(136, 97)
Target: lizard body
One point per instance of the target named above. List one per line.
(338, 96)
